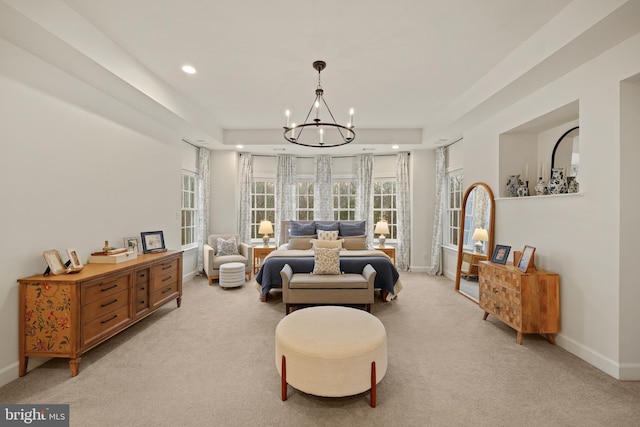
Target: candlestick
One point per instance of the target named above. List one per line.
(286, 113)
(350, 118)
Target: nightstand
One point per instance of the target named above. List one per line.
(260, 253)
(389, 250)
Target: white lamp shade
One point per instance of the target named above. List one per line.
(265, 227)
(382, 227)
(480, 234)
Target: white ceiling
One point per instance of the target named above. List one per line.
(413, 68)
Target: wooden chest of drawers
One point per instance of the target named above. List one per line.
(528, 302)
(67, 315)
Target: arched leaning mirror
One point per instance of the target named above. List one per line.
(477, 223)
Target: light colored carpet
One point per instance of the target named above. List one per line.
(211, 362)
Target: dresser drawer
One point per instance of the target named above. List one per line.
(142, 276)
(104, 305)
(104, 325)
(109, 286)
(164, 278)
(168, 292)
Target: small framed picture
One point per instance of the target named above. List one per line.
(56, 266)
(133, 244)
(500, 254)
(74, 258)
(152, 241)
(526, 260)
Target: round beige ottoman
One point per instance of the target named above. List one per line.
(331, 351)
(232, 275)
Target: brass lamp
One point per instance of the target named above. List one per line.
(382, 228)
(480, 235)
(265, 229)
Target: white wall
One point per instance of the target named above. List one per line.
(225, 193)
(72, 179)
(577, 236)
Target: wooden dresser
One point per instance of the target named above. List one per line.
(528, 302)
(470, 260)
(67, 315)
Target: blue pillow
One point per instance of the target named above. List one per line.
(356, 228)
(330, 226)
(298, 228)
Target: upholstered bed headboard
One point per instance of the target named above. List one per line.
(286, 224)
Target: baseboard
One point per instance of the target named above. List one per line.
(11, 372)
(418, 269)
(188, 276)
(619, 371)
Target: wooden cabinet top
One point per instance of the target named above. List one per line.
(510, 268)
(93, 271)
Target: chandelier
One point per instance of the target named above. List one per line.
(329, 133)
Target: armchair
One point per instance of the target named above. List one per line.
(212, 261)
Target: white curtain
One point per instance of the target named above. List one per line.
(204, 191)
(364, 192)
(403, 207)
(323, 190)
(286, 200)
(246, 179)
(435, 267)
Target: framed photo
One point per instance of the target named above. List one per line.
(56, 266)
(500, 254)
(133, 244)
(74, 258)
(152, 241)
(526, 260)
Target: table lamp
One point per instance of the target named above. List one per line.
(382, 228)
(480, 235)
(265, 229)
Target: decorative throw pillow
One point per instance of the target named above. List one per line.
(327, 261)
(300, 228)
(300, 242)
(327, 244)
(355, 243)
(355, 228)
(327, 235)
(328, 226)
(227, 247)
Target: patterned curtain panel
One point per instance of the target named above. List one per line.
(403, 206)
(286, 201)
(364, 192)
(204, 191)
(245, 179)
(323, 190)
(436, 238)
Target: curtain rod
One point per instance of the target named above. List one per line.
(191, 144)
(451, 143)
(334, 157)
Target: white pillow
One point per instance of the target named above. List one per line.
(328, 235)
(327, 261)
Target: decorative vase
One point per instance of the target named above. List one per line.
(523, 190)
(557, 183)
(513, 183)
(540, 189)
(572, 184)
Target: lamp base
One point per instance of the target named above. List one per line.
(479, 247)
(265, 239)
(382, 239)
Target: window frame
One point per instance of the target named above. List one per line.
(389, 213)
(190, 210)
(457, 195)
(266, 212)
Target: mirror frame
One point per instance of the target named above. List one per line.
(555, 147)
(492, 219)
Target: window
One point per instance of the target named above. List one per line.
(304, 191)
(453, 208)
(344, 200)
(384, 204)
(189, 208)
(263, 205)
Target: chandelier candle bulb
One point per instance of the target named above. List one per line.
(293, 131)
(287, 113)
(351, 118)
(321, 137)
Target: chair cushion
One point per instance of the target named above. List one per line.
(219, 260)
(327, 261)
(227, 247)
(328, 281)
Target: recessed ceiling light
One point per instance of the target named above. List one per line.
(189, 69)
(395, 147)
(239, 146)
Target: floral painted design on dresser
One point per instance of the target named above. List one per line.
(48, 317)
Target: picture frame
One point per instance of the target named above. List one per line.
(500, 254)
(56, 266)
(526, 259)
(74, 259)
(152, 241)
(133, 244)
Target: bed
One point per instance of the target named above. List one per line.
(294, 251)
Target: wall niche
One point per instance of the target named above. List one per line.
(527, 150)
